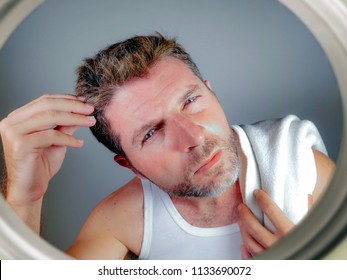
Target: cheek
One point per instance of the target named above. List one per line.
(215, 128)
(217, 124)
(156, 162)
(214, 120)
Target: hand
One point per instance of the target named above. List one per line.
(255, 236)
(35, 138)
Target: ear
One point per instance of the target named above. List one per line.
(207, 83)
(122, 161)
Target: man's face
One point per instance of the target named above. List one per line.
(174, 131)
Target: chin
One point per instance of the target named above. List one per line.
(218, 188)
(213, 188)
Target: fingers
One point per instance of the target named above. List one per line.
(250, 247)
(48, 120)
(280, 221)
(40, 102)
(51, 119)
(50, 104)
(48, 138)
(255, 236)
(49, 111)
(245, 254)
(251, 227)
(70, 130)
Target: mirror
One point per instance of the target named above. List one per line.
(262, 61)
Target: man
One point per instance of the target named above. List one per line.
(145, 99)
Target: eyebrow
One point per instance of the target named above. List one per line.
(144, 128)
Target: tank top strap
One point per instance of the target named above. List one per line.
(148, 218)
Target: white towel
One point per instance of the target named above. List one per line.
(277, 156)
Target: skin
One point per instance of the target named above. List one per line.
(35, 138)
(187, 128)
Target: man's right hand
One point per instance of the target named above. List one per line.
(35, 138)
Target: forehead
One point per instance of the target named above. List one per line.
(143, 98)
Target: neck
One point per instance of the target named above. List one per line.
(210, 211)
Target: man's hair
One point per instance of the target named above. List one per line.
(99, 77)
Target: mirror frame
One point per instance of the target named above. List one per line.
(323, 230)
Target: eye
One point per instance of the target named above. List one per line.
(190, 100)
(149, 134)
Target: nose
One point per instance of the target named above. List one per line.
(186, 133)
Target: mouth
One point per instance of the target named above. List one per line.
(210, 162)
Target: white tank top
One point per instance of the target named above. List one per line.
(168, 236)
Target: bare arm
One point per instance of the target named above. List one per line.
(35, 138)
(103, 247)
(114, 228)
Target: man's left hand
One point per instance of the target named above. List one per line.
(255, 236)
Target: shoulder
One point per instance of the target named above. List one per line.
(119, 217)
(124, 197)
(325, 169)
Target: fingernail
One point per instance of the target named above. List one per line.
(91, 118)
(255, 192)
(88, 106)
(81, 98)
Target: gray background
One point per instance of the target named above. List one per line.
(261, 60)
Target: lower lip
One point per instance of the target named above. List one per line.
(211, 163)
